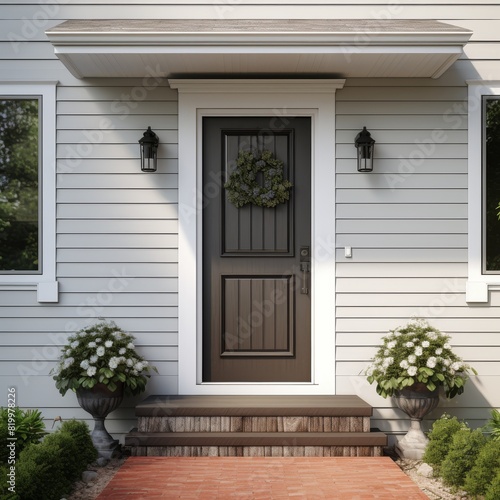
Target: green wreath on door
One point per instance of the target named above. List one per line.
(243, 186)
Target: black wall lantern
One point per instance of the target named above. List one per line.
(365, 145)
(149, 151)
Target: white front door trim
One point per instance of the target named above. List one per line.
(277, 98)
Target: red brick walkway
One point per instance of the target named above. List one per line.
(258, 478)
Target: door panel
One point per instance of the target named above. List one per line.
(260, 230)
(258, 316)
(256, 305)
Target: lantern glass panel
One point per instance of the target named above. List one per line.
(148, 159)
(365, 158)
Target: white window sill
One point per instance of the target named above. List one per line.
(478, 291)
(46, 291)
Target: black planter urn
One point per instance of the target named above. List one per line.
(100, 402)
(416, 401)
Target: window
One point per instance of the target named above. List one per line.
(19, 171)
(491, 184)
(27, 188)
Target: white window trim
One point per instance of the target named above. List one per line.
(45, 282)
(478, 284)
(314, 98)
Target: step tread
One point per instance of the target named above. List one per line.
(334, 406)
(256, 439)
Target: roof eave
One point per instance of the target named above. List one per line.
(356, 39)
(341, 48)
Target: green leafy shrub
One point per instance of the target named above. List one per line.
(47, 470)
(80, 433)
(486, 467)
(440, 439)
(462, 456)
(69, 454)
(28, 428)
(40, 472)
(494, 424)
(493, 491)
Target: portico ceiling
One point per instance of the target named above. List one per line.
(264, 47)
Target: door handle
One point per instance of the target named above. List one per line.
(305, 261)
(304, 267)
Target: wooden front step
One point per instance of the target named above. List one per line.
(257, 451)
(332, 406)
(181, 423)
(254, 426)
(257, 438)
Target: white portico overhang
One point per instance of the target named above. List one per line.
(258, 48)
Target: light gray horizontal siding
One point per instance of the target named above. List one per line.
(117, 211)
(121, 283)
(121, 181)
(398, 285)
(69, 323)
(122, 106)
(403, 240)
(86, 165)
(401, 270)
(386, 210)
(396, 166)
(69, 312)
(407, 226)
(117, 226)
(141, 269)
(419, 302)
(117, 121)
(413, 226)
(263, 10)
(401, 192)
(103, 151)
(8, 50)
(118, 255)
(115, 136)
(130, 195)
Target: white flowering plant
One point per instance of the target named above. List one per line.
(102, 353)
(415, 353)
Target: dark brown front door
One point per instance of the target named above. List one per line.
(256, 270)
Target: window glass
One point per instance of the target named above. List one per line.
(19, 185)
